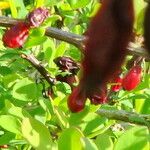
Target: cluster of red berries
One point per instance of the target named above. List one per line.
(130, 81)
(16, 36)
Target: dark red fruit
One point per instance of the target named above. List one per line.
(16, 36)
(67, 64)
(76, 101)
(99, 98)
(36, 17)
(132, 78)
(118, 84)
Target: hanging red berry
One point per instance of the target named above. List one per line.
(16, 36)
(36, 17)
(132, 78)
(76, 101)
(118, 84)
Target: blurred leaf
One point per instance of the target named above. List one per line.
(61, 49)
(145, 108)
(10, 123)
(61, 117)
(4, 70)
(16, 111)
(104, 142)
(135, 138)
(50, 20)
(22, 11)
(4, 5)
(78, 4)
(10, 79)
(92, 122)
(34, 41)
(89, 144)
(25, 90)
(37, 32)
(76, 118)
(6, 138)
(36, 134)
(70, 139)
(13, 8)
(39, 3)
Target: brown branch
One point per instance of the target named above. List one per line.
(36, 64)
(74, 39)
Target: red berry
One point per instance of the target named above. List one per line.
(16, 36)
(37, 17)
(132, 78)
(76, 101)
(118, 84)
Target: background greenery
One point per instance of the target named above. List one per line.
(29, 121)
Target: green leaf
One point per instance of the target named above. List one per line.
(16, 111)
(22, 11)
(78, 4)
(61, 49)
(13, 8)
(10, 79)
(39, 3)
(89, 144)
(25, 90)
(6, 138)
(36, 134)
(135, 138)
(92, 123)
(62, 119)
(104, 142)
(37, 32)
(4, 70)
(50, 20)
(10, 123)
(70, 139)
(34, 41)
(76, 118)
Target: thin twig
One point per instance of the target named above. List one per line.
(36, 64)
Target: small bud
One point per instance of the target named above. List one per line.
(67, 64)
(36, 17)
(16, 36)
